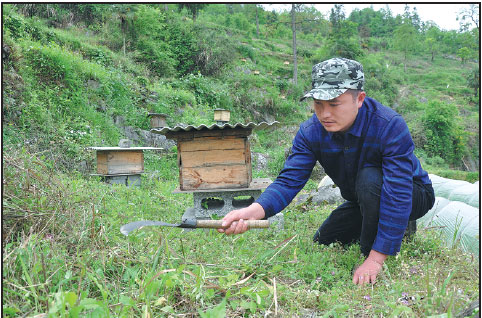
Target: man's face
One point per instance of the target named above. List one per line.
(339, 114)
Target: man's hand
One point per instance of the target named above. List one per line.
(368, 271)
(234, 220)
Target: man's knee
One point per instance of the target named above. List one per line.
(369, 184)
(318, 238)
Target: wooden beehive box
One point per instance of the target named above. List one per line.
(120, 161)
(213, 159)
(157, 120)
(222, 115)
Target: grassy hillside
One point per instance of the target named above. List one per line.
(70, 81)
(65, 88)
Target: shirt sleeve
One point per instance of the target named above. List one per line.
(292, 178)
(396, 194)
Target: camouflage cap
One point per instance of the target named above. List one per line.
(333, 77)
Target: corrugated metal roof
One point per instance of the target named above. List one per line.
(165, 130)
(124, 148)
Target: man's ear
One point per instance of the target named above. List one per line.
(361, 98)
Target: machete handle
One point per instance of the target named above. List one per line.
(217, 224)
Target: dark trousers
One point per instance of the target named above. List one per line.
(358, 221)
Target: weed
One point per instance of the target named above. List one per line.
(63, 253)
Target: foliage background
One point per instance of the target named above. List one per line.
(76, 75)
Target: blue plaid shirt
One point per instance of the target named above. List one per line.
(379, 137)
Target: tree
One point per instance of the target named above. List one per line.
(371, 22)
(432, 40)
(473, 80)
(469, 16)
(295, 59)
(257, 21)
(464, 53)
(337, 16)
(405, 40)
(125, 13)
(343, 39)
(194, 8)
(415, 19)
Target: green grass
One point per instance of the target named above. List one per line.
(76, 261)
(63, 253)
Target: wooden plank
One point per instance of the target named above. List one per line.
(218, 177)
(256, 184)
(158, 121)
(212, 158)
(125, 162)
(212, 144)
(191, 134)
(248, 159)
(179, 150)
(102, 162)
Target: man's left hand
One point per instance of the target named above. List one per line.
(368, 271)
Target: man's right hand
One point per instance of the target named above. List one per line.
(233, 222)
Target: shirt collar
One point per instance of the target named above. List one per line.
(357, 127)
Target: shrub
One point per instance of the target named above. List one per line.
(436, 161)
(379, 80)
(182, 43)
(171, 99)
(240, 22)
(150, 35)
(98, 55)
(205, 90)
(345, 47)
(13, 23)
(157, 56)
(214, 51)
(445, 136)
(246, 51)
(52, 64)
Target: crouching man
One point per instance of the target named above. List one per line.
(366, 149)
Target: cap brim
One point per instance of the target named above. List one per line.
(324, 94)
(307, 95)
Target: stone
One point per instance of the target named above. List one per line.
(327, 192)
(92, 84)
(101, 107)
(125, 143)
(133, 180)
(330, 195)
(156, 140)
(132, 134)
(119, 120)
(260, 161)
(268, 118)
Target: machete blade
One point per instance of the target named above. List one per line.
(129, 227)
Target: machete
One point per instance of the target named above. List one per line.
(191, 224)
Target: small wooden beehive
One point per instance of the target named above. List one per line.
(157, 120)
(222, 115)
(213, 158)
(120, 161)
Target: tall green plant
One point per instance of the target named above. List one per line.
(405, 39)
(445, 136)
(151, 41)
(343, 38)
